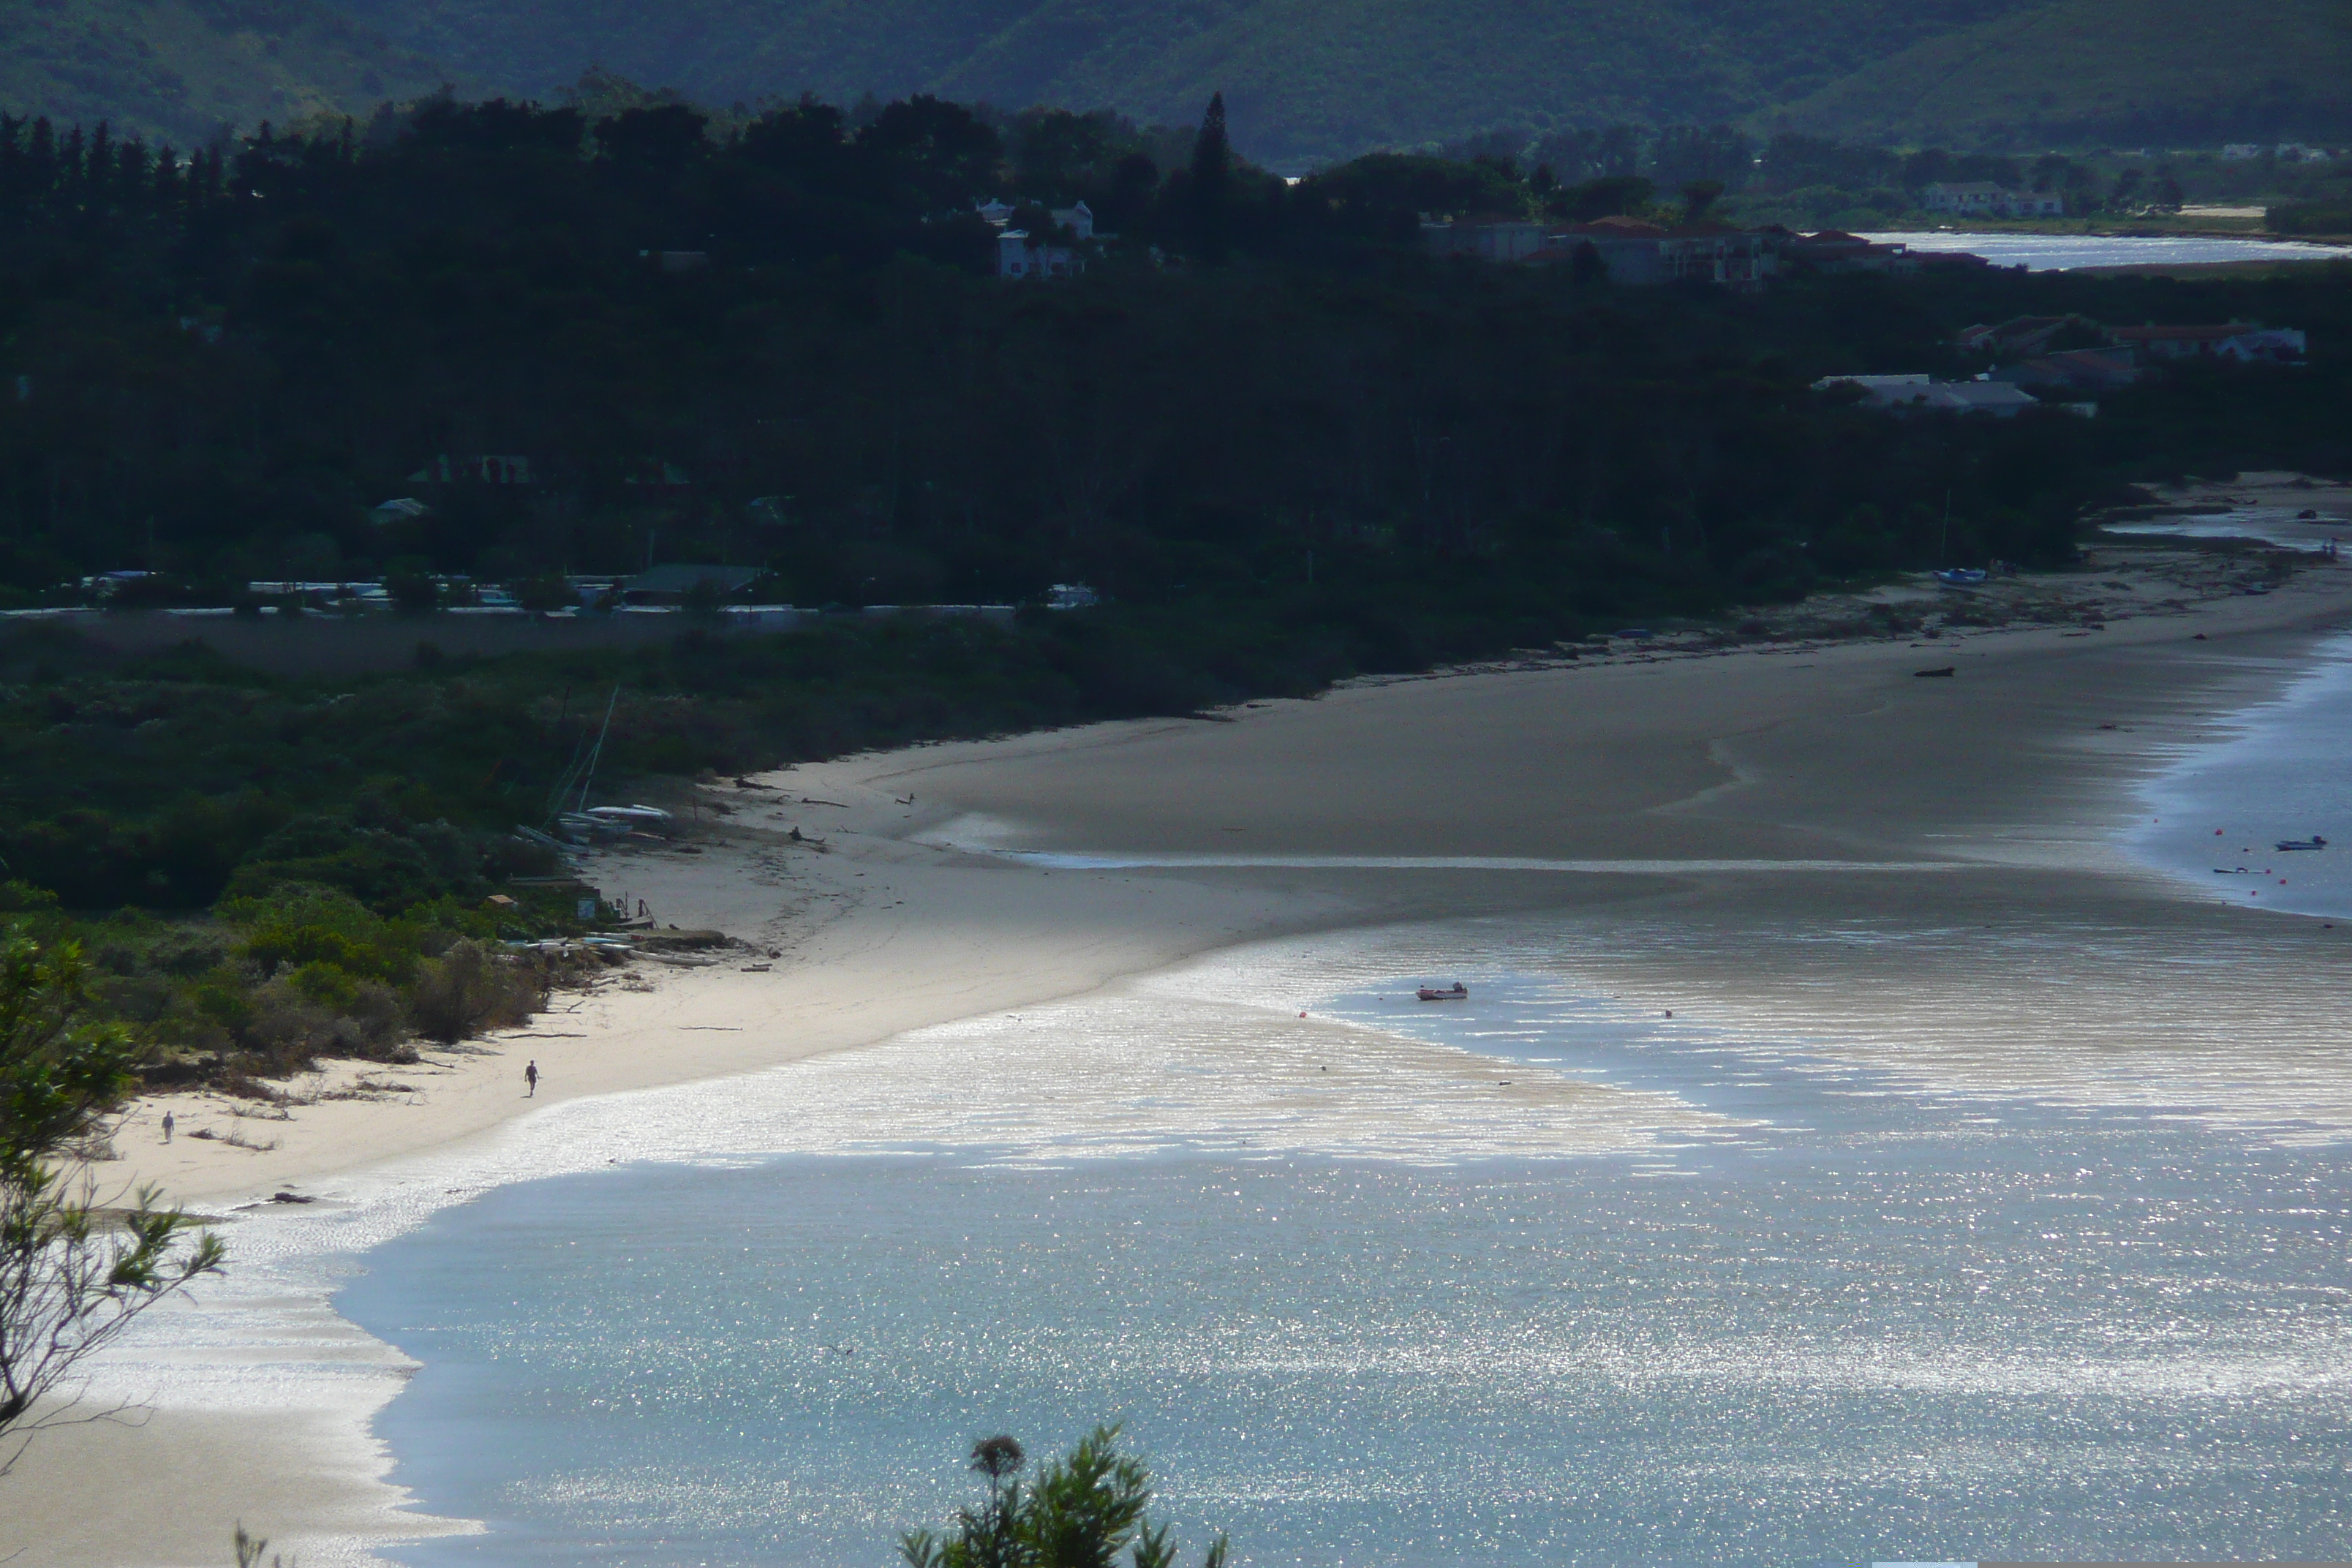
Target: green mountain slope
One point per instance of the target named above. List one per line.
(2186, 72)
(1303, 78)
(177, 70)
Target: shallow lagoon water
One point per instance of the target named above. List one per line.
(1908, 1236)
(1765, 1304)
(2278, 772)
(2311, 536)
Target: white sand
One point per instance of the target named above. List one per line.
(1789, 753)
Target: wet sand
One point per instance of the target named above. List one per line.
(2015, 769)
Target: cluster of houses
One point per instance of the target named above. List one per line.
(1636, 251)
(2103, 357)
(2037, 373)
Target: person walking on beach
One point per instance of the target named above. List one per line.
(167, 1127)
(531, 1079)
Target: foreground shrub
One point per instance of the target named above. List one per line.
(468, 989)
(1083, 1509)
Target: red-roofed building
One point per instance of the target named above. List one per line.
(1835, 250)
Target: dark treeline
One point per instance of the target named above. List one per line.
(1284, 443)
(218, 366)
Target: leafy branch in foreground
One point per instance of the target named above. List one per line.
(250, 1548)
(73, 1275)
(1081, 1512)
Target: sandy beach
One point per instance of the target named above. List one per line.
(937, 895)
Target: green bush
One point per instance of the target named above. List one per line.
(298, 927)
(2310, 217)
(470, 989)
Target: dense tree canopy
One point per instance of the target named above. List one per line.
(220, 365)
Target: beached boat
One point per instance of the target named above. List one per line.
(629, 815)
(1961, 577)
(2313, 842)
(1457, 992)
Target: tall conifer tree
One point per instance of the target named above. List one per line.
(1211, 177)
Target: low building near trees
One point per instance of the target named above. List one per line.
(2073, 370)
(1023, 255)
(1922, 394)
(1018, 256)
(1634, 252)
(2022, 334)
(1488, 238)
(1835, 250)
(675, 584)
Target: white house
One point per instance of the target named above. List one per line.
(1967, 197)
(1021, 255)
(1017, 256)
(1079, 220)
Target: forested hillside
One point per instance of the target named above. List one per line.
(1304, 83)
(2080, 72)
(219, 370)
(179, 70)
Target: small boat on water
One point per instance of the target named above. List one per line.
(1457, 992)
(1961, 576)
(2313, 842)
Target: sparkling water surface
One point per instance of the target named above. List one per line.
(1945, 1218)
(2058, 252)
(2279, 771)
(2311, 536)
(1832, 1316)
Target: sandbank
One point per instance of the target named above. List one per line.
(922, 908)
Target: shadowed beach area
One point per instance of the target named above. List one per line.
(1721, 834)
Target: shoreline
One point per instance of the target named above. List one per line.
(973, 878)
(1677, 760)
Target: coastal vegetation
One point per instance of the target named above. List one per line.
(1283, 445)
(1081, 1512)
(74, 1273)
